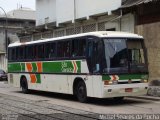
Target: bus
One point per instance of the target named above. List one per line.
(102, 64)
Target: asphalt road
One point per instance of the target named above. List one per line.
(49, 106)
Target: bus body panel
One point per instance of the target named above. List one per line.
(119, 90)
(94, 84)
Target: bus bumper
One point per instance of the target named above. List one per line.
(122, 90)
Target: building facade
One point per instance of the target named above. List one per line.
(16, 21)
(77, 16)
(147, 24)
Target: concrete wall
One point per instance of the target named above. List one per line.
(152, 40)
(2, 42)
(63, 10)
(22, 13)
(45, 9)
(3, 62)
(125, 23)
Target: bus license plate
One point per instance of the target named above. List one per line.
(128, 89)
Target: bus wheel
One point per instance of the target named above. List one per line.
(24, 85)
(81, 92)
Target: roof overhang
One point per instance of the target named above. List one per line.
(133, 3)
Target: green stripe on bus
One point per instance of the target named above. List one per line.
(15, 67)
(38, 76)
(34, 67)
(22, 67)
(126, 77)
(79, 66)
(49, 67)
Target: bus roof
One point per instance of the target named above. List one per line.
(109, 34)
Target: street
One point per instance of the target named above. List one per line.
(49, 106)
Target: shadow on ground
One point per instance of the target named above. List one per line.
(94, 101)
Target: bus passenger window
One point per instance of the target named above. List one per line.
(10, 54)
(47, 50)
(52, 52)
(40, 51)
(82, 47)
(74, 51)
(13, 54)
(63, 49)
(78, 48)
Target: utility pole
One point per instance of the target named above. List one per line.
(74, 16)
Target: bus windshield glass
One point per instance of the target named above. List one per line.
(123, 56)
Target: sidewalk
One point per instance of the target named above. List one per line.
(146, 97)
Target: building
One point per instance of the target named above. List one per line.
(147, 23)
(72, 17)
(77, 16)
(16, 21)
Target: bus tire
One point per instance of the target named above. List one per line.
(81, 92)
(24, 85)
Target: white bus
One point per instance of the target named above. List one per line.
(97, 64)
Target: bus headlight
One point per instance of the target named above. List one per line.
(109, 82)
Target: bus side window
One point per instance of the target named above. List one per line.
(52, 50)
(78, 47)
(74, 51)
(47, 50)
(40, 51)
(63, 49)
(30, 52)
(13, 52)
(9, 54)
(21, 53)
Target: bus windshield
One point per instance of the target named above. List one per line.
(123, 56)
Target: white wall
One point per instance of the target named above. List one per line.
(126, 24)
(3, 62)
(87, 8)
(2, 42)
(45, 9)
(22, 13)
(63, 10)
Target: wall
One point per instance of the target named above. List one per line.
(2, 42)
(125, 23)
(3, 62)
(45, 9)
(63, 10)
(150, 32)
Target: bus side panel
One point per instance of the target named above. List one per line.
(14, 79)
(52, 83)
(97, 86)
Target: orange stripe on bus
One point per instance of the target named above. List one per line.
(29, 67)
(39, 66)
(33, 78)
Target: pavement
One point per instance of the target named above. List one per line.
(146, 97)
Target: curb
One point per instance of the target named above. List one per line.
(146, 98)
